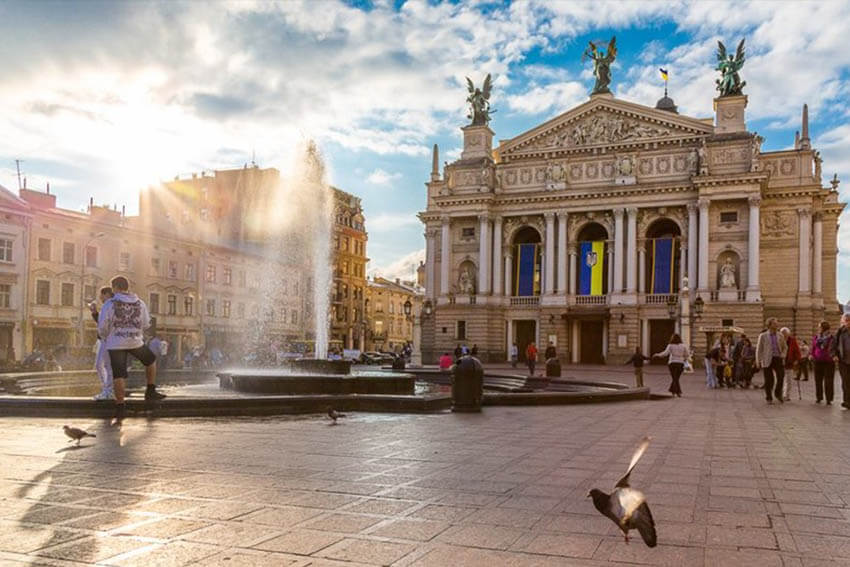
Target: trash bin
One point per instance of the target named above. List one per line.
(553, 368)
(467, 385)
(398, 363)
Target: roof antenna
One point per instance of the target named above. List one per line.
(253, 157)
(18, 166)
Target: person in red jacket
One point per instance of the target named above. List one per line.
(792, 358)
(531, 357)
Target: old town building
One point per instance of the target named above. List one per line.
(583, 230)
(348, 297)
(390, 328)
(15, 227)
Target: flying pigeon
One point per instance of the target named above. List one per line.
(333, 414)
(626, 506)
(76, 434)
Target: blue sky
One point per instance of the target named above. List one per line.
(104, 98)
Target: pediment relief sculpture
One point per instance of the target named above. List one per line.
(599, 129)
(776, 224)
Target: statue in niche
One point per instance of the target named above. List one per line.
(754, 160)
(727, 275)
(703, 159)
(730, 83)
(466, 282)
(818, 166)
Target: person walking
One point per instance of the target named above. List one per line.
(792, 358)
(550, 351)
(458, 352)
(710, 377)
(122, 322)
(841, 355)
(770, 357)
(101, 360)
(514, 355)
(803, 365)
(474, 351)
(748, 359)
(677, 354)
(637, 360)
(531, 357)
(823, 364)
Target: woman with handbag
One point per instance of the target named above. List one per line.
(677, 354)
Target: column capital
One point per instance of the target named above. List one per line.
(432, 233)
(703, 204)
(549, 216)
(572, 248)
(563, 215)
(817, 217)
(445, 219)
(693, 208)
(804, 212)
(484, 217)
(496, 219)
(618, 213)
(632, 211)
(754, 201)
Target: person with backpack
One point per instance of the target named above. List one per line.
(823, 364)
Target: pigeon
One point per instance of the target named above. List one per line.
(626, 506)
(76, 434)
(333, 414)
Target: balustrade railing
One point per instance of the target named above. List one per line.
(591, 299)
(525, 300)
(660, 298)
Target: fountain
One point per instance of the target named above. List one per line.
(306, 201)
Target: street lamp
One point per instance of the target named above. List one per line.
(699, 305)
(671, 306)
(81, 323)
(407, 307)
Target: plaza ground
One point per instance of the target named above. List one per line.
(730, 481)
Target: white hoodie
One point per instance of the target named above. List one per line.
(123, 318)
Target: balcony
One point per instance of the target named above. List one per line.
(525, 301)
(591, 299)
(660, 298)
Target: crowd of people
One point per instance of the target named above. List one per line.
(733, 363)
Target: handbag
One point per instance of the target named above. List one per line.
(689, 368)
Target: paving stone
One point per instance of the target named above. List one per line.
(419, 530)
(344, 523)
(171, 554)
(94, 549)
(367, 551)
(282, 517)
(301, 542)
(583, 546)
(493, 537)
(231, 534)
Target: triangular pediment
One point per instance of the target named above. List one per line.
(605, 122)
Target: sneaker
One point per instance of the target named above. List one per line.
(151, 395)
(120, 411)
(829, 403)
(104, 396)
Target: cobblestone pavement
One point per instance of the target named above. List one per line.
(730, 480)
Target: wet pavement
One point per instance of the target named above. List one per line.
(730, 481)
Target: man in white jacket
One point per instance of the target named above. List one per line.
(122, 322)
(101, 361)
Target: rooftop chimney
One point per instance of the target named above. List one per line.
(435, 164)
(48, 187)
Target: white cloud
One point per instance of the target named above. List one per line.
(381, 177)
(559, 97)
(404, 268)
(386, 222)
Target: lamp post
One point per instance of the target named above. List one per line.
(685, 302)
(81, 323)
(416, 355)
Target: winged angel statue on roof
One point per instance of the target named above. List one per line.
(601, 64)
(730, 83)
(479, 99)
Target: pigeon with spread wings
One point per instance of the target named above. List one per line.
(626, 506)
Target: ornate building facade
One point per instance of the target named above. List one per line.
(348, 298)
(583, 230)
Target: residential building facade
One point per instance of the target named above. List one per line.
(348, 297)
(15, 229)
(390, 329)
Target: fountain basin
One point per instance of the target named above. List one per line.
(275, 382)
(318, 366)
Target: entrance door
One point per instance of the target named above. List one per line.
(590, 337)
(525, 332)
(660, 331)
(6, 330)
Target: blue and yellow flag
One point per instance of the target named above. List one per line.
(663, 74)
(525, 269)
(592, 267)
(663, 268)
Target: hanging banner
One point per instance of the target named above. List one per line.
(592, 267)
(525, 266)
(662, 265)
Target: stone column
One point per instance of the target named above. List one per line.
(573, 269)
(509, 335)
(817, 254)
(692, 237)
(631, 251)
(703, 244)
(754, 250)
(430, 262)
(642, 269)
(644, 337)
(562, 253)
(683, 251)
(445, 255)
(549, 269)
(483, 259)
(574, 336)
(498, 286)
(611, 259)
(804, 282)
(508, 273)
(618, 251)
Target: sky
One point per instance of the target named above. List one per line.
(101, 99)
